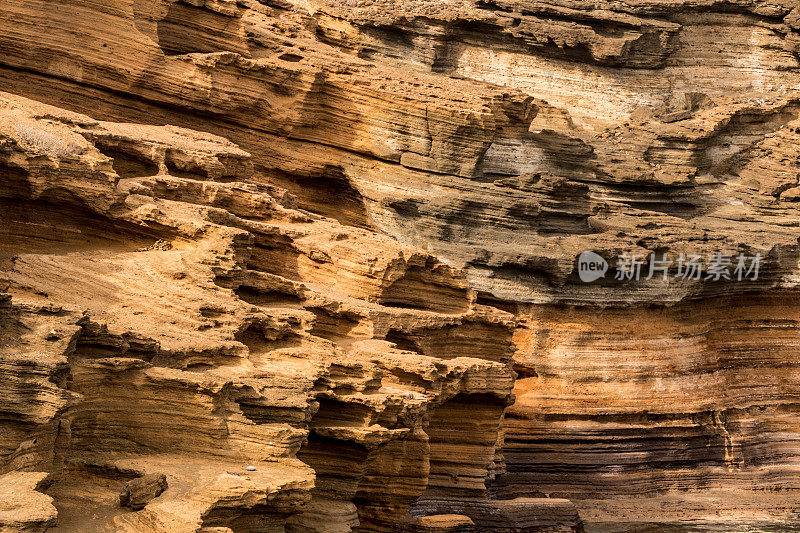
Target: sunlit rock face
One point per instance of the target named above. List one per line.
(278, 265)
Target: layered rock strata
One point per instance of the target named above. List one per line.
(224, 360)
(398, 218)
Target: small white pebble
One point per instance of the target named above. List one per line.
(250, 468)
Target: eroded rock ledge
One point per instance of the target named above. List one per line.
(281, 371)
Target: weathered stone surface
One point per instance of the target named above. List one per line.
(442, 523)
(138, 492)
(23, 509)
(254, 366)
(319, 237)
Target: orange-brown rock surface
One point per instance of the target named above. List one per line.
(278, 370)
(289, 266)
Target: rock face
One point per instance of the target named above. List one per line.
(336, 241)
(138, 492)
(185, 336)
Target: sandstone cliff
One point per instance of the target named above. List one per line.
(283, 265)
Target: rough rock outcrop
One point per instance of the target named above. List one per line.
(138, 492)
(320, 238)
(277, 370)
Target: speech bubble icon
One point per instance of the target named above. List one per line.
(591, 266)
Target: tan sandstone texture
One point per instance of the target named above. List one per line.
(295, 266)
